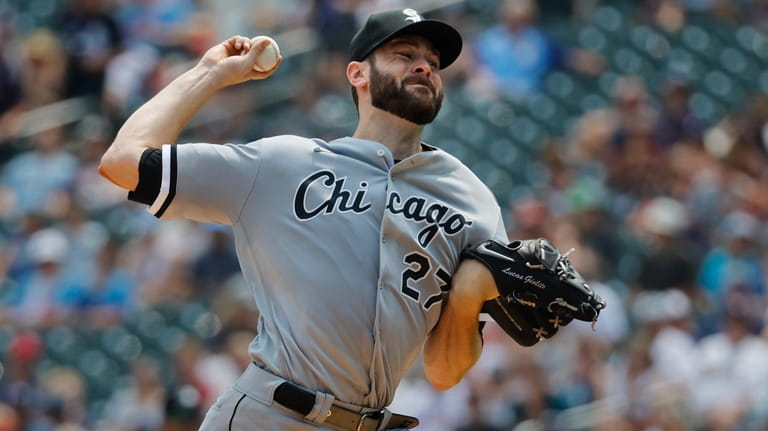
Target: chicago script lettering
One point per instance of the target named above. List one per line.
(339, 199)
(436, 215)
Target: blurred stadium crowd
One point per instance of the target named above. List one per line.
(634, 131)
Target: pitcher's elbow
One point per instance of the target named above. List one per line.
(442, 386)
(120, 168)
(442, 379)
(108, 165)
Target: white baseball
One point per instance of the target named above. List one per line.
(267, 59)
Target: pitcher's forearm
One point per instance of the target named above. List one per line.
(159, 121)
(452, 349)
(454, 345)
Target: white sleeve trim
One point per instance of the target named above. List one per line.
(165, 184)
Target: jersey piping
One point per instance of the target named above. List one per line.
(167, 184)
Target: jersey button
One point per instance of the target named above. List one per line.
(380, 153)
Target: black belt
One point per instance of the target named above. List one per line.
(302, 401)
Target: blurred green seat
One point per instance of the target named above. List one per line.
(608, 18)
(561, 86)
(701, 42)
(471, 130)
(593, 101)
(543, 108)
(536, 173)
(121, 345)
(705, 107)
(762, 81)
(503, 151)
(685, 64)
(725, 89)
(527, 132)
(500, 113)
(593, 38)
(753, 42)
(100, 372)
(650, 42)
(628, 61)
(734, 61)
(64, 344)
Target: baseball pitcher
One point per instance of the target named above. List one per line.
(352, 248)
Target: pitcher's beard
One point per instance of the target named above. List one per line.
(388, 96)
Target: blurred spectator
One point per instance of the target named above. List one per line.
(44, 70)
(45, 296)
(9, 420)
(41, 71)
(91, 38)
(222, 367)
(614, 325)
(515, 55)
(635, 382)
(92, 192)
(19, 385)
(9, 79)
(160, 259)
(217, 264)
(66, 387)
(587, 201)
(335, 23)
(635, 159)
(667, 260)
(189, 362)
(17, 250)
(733, 367)
(141, 404)
(478, 421)
(676, 121)
(734, 262)
(756, 127)
(182, 409)
(109, 291)
(536, 399)
(667, 317)
(528, 218)
(162, 24)
(127, 79)
(33, 178)
(85, 238)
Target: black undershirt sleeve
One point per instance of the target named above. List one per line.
(150, 177)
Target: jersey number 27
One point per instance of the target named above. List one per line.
(419, 267)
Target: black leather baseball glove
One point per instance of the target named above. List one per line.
(539, 290)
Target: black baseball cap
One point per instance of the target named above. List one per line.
(383, 26)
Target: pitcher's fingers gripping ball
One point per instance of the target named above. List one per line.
(539, 289)
(268, 57)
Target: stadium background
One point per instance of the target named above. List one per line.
(640, 139)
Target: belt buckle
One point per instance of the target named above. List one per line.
(367, 416)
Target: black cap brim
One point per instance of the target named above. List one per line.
(444, 38)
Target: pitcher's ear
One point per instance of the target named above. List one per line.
(357, 73)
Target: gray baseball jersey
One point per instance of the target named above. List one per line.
(349, 254)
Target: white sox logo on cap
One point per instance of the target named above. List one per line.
(412, 15)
